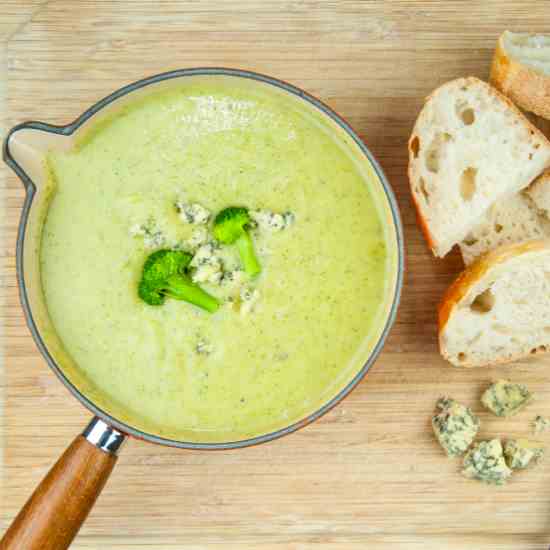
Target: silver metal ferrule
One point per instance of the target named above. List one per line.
(103, 436)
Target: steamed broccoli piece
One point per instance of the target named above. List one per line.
(231, 226)
(165, 276)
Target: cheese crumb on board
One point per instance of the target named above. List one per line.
(540, 424)
(455, 426)
(485, 462)
(505, 398)
(520, 453)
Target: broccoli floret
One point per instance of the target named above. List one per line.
(165, 276)
(231, 226)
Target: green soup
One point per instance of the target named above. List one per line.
(324, 289)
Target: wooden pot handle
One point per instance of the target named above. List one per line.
(59, 506)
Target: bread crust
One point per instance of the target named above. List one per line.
(464, 81)
(469, 277)
(525, 86)
(544, 178)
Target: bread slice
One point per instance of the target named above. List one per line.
(539, 193)
(521, 70)
(470, 148)
(521, 217)
(498, 310)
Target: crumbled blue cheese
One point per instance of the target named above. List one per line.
(198, 238)
(485, 462)
(234, 280)
(152, 236)
(193, 213)
(208, 267)
(232, 284)
(520, 453)
(248, 299)
(504, 398)
(272, 221)
(540, 424)
(204, 347)
(455, 426)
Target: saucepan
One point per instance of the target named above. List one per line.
(52, 516)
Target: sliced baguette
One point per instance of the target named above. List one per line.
(521, 70)
(470, 147)
(521, 217)
(539, 193)
(498, 310)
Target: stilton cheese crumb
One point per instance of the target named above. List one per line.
(203, 347)
(198, 238)
(152, 235)
(235, 279)
(485, 462)
(455, 426)
(232, 285)
(207, 265)
(249, 298)
(272, 221)
(540, 424)
(193, 213)
(520, 453)
(504, 398)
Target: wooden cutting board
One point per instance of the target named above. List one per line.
(369, 474)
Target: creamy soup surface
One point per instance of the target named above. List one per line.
(178, 370)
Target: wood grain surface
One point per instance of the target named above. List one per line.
(53, 515)
(369, 474)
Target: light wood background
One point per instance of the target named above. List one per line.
(369, 474)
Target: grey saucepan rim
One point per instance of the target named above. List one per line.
(70, 128)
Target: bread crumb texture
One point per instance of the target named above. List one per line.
(470, 149)
(499, 309)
